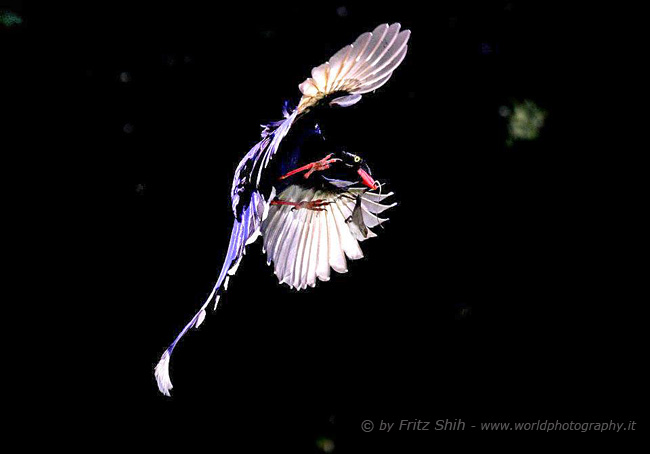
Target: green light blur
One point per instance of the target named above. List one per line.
(10, 19)
(325, 444)
(525, 122)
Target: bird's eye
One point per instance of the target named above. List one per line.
(357, 159)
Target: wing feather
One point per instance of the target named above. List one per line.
(338, 64)
(357, 68)
(323, 267)
(382, 46)
(370, 83)
(313, 251)
(373, 86)
(336, 256)
(300, 249)
(378, 35)
(349, 244)
(306, 255)
(304, 244)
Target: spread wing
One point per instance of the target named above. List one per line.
(358, 68)
(304, 244)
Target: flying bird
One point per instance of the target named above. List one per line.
(310, 201)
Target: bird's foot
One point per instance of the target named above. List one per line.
(321, 165)
(312, 167)
(314, 205)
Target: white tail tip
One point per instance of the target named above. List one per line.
(162, 374)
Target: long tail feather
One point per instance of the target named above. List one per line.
(235, 248)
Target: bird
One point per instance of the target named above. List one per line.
(311, 201)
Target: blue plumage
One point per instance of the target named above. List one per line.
(305, 244)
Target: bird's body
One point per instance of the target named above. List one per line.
(310, 200)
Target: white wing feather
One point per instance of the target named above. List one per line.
(357, 68)
(304, 244)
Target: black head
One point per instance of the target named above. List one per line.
(353, 167)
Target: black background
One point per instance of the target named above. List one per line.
(497, 291)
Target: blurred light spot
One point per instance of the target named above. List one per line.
(325, 444)
(187, 59)
(127, 128)
(10, 19)
(504, 111)
(486, 48)
(462, 311)
(139, 188)
(125, 77)
(526, 120)
(170, 60)
(342, 11)
(268, 34)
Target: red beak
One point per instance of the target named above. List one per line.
(367, 179)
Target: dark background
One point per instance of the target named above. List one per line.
(497, 291)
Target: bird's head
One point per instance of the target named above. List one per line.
(355, 169)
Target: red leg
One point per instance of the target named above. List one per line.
(312, 167)
(314, 205)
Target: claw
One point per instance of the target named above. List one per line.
(321, 165)
(314, 205)
(317, 205)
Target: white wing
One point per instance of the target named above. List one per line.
(358, 68)
(304, 244)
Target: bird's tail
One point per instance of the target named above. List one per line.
(162, 369)
(244, 231)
